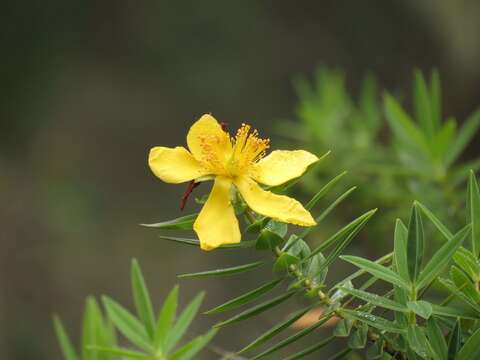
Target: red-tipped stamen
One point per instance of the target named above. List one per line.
(191, 186)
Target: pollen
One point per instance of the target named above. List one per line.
(248, 148)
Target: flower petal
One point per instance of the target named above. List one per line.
(277, 207)
(281, 166)
(216, 224)
(208, 130)
(175, 165)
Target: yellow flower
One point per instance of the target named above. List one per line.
(238, 161)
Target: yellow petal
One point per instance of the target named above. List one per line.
(175, 165)
(207, 131)
(281, 166)
(277, 207)
(216, 224)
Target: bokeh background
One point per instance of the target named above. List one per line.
(89, 86)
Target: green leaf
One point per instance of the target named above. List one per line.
(183, 322)
(435, 98)
(421, 308)
(471, 349)
(422, 105)
(316, 270)
(340, 354)
(454, 341)
(374, 321)
(284, 261)
(441, 258)
(375, 299)
(435, 221)
(415, 244)
(358, 340)
(344, 232)
(343, 328)
(181, 223)
(417, 340)
(454, 312)
(403, 126)
(311, 349)
(327, 211)
(142, 300)
(400, 253)
(245, 298)
(467, 262)
(121, 352)
(463, 138)
(166, 318)
(453, 289)
(275, 330)
(127, 324)
(443, 139)
(223, 272)
(65, 344)
(196, 242)
(377, 270)
(189, 350)
(294, 337)
(436, 339)
(268, 240)
(473, 213)
(94, 332)
(464, 284)
(319, 195)
(256, 310)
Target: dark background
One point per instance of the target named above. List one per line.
(87, 87)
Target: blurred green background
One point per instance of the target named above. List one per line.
(89, 86)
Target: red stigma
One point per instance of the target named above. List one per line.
(224, 126)
(191, 186)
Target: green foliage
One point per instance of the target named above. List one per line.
(409, 319)
(148, 337)
(401, 156)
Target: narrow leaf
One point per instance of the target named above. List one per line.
(254, 311)
(277, 329)
(464, 136)
(294, 337)
(377, 270)
(183, 322)
(65, 344)
(223, 272)
(196, 242)
(181, 223)
(374, 321)
(327, 211)
(375, 299)
(121, 352)
(473, 213)
(454, 341)
(319, 195)
(142, 300)
(400, 245)
(436, 339)
(435, 221)
(189, 350)
(441, 258)
(245, 298)
(471, 349)
(166, 318)
(311, 349)
(127, 323)
(415, 244)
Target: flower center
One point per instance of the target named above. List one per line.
(247, 148)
